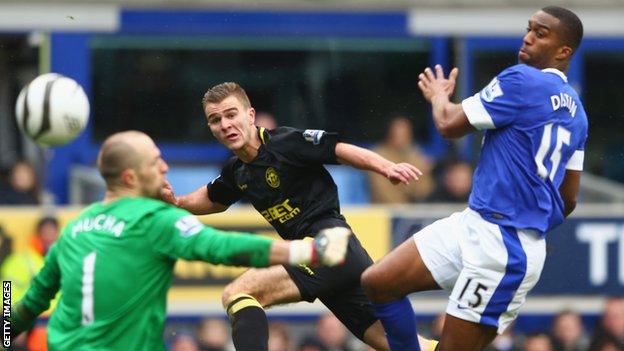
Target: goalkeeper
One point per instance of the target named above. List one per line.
(114, 263)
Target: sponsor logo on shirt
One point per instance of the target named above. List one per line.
(188, 226)
(313, 135)
(272, 178)
(491, 91)
(283, 212)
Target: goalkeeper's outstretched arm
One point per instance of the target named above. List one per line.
(180, 236)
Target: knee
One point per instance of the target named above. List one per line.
(227, 294)
(234, 291)
(372, 282)
(230, 292)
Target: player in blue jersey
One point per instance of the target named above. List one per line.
(491, 255)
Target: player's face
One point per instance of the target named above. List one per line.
(541, 44)
(151, 173)
(231, 122)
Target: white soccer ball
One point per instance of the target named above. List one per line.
(52, 110)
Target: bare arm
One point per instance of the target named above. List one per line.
(569, 190)
(368, 160)
(449, 118)
(198, 202)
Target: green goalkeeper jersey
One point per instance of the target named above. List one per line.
(114, 264)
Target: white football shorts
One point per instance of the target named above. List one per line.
(488, 269)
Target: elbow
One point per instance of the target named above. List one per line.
(444, 128)
(451, 122)
(448, 132)
(569, 206)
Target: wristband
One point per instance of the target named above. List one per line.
(301, 252)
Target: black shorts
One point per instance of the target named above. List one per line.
(339, 288)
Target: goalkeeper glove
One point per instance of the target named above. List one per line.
(329, 248)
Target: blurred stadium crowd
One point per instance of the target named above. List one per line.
(447, 179)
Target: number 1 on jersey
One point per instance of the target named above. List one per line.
(88, 270)
(563, 137)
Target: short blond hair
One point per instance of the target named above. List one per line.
(221, 91)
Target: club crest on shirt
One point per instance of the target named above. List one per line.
(491, 91)
(313, 135)
(272, 178)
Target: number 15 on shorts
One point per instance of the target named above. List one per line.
(471, 294)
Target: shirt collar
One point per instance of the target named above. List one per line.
(557, 72)
(264, 135)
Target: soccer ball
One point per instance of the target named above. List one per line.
(52, 110)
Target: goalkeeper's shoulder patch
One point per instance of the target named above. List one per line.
(188, 226)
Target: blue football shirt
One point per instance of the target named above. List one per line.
(536, 128)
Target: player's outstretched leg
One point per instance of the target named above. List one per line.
(387, 284)
(245, 299)
(397, 318)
